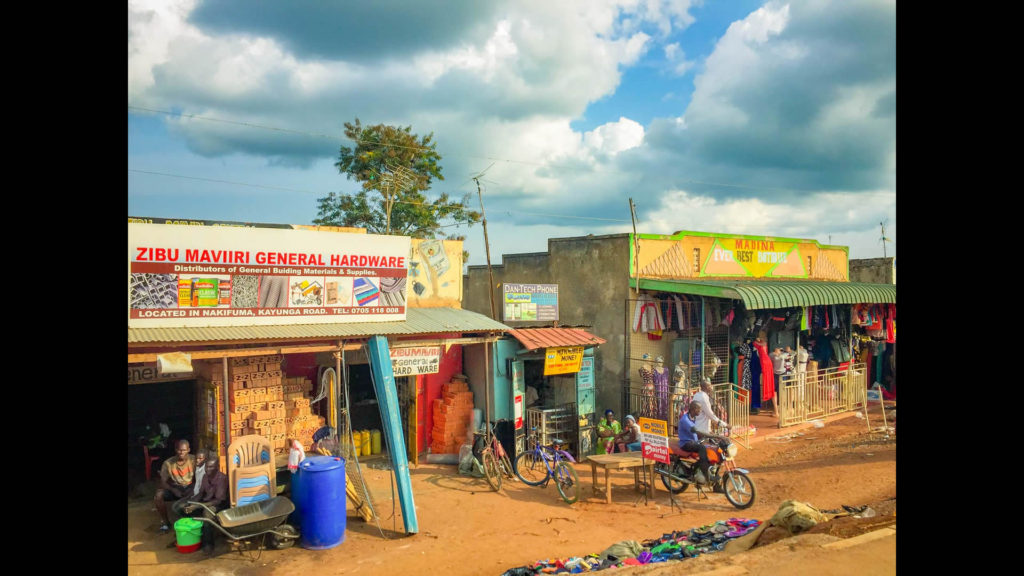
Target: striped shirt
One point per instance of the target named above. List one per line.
(179, 473)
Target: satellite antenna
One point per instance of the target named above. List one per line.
(883, 239)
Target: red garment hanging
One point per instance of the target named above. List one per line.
(767, 371)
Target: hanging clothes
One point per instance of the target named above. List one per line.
(680, 313)
(649, 407)
(661, 391)
(744, 370)
(754, 363)
(647, 315)
(890, 324)
(767, 372)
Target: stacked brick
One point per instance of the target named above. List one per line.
(300, 422)
(453, 413)
(262, 400)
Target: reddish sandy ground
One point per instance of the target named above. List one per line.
(466, 529)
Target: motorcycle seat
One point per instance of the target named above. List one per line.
(683, 453)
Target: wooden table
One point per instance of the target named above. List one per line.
(622, 461)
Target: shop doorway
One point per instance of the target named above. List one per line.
(172, 403)
(362, 401)
(365, 409)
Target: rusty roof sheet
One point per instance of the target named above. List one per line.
(417, 321)
(534, 338)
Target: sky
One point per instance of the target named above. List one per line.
(732, 116)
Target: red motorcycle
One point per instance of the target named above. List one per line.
(725, 476)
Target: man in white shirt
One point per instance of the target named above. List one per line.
(707, 415)
(200, 469)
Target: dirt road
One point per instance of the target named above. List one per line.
(465, 529)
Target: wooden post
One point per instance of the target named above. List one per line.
(227, 417)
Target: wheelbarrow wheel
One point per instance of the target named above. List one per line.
(280, 542)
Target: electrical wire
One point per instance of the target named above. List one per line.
(493, 158)
(317, 135)
(426, 204)
(323, 385)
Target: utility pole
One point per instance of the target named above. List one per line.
(884, 239)
(487, 245)
(636, 247)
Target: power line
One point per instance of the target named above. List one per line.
(314, 134)
(565, 216)
(283, 189)
(493, 158)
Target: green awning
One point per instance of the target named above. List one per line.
(768, 294)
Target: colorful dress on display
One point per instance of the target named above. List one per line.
(661, 391)
(767, 372)
(649, 406)
(745, 378)
(676, 403)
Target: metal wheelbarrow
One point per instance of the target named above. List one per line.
(242, 524)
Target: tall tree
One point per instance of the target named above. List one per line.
(395, 168)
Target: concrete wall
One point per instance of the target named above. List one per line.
(873, 270)
(592, 273)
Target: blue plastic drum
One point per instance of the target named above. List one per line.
(321, 497)
(296, 493)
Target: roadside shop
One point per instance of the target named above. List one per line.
(283, 344)
(750, 314)
(542, 377)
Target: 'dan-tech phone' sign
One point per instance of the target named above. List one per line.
(226, 276)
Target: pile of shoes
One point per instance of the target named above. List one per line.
(674, 546)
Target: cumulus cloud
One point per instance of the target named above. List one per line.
(676, 58)
(527, 61)
(847, 217)
(615, 137)
(795, 105)
(797, 95)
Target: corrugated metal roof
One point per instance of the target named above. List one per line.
(417, 321)
(534, 338)
(767, 294)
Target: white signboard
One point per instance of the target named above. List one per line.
(417, 360)
(228, 276)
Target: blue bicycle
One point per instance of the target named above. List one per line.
(537, 466)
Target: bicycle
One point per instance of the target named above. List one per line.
(537, 466)
(504, 464)
(492, 458)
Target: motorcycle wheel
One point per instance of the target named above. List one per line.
(674, 486)
(739, 489)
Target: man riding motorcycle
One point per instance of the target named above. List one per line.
(689, 440)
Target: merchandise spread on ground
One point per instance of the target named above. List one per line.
(677, 545)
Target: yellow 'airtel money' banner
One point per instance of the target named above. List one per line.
(563, 360)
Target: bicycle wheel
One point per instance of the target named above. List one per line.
(491, 469)
(567, 482)
(529, 467)
(506, 467)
